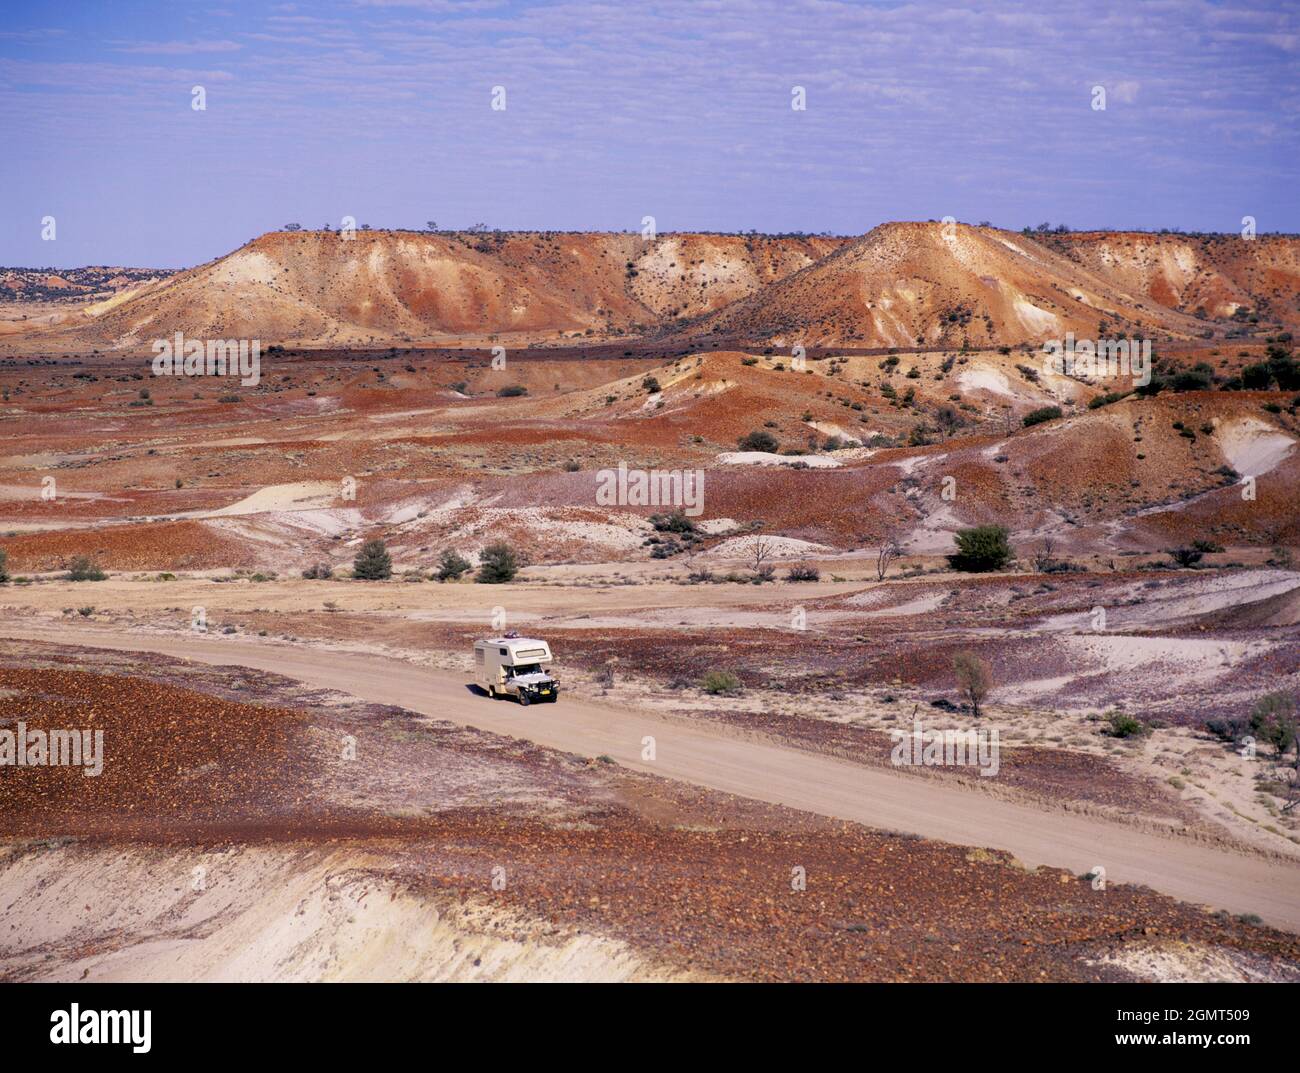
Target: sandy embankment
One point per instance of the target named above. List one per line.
(269, 914)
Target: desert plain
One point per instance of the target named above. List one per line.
(302, 782)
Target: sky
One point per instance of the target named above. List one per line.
(677, 109)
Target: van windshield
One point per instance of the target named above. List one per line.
(524, 668)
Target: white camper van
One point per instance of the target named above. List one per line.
(514, 666)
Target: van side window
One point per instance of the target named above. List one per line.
(505, 651)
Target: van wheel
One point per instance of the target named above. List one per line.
(523, 700)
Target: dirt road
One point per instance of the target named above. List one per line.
(767, 772)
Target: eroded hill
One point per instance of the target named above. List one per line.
(906, 285)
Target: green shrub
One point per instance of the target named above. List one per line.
(1185, 556)
(1043, 413)
(451, 566)
(974, 679)
(1273, 720)
(758, 440)
(1123, 725)
(720, 683)
(373, 563)
(676, 522)
(497, 564)
(1228, 728)
(981, 549)
(1107, 399)
(513, 391)
(84, 569)
(1197, 379)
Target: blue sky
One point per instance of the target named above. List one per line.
(679, 109)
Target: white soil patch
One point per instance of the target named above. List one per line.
(935, 535)
(301, 495)
(829, 428)
(984, 379)
(778, 548)
(1035, 319)
(763, 458)
(921, 605)
(621, 533)
(1252, 446)
(1184, 963)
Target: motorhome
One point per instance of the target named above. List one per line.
(513, 666)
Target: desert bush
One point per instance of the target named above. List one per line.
(373, 563)
(84, 568)
(318, 572)
(720, 683)
(511, 392)
(1123, 725)
(676, 522)
(1273, 720)
(4, 573)
(758, 440)
(498, 564)
(1185, 556)
(650, 385)
(571, 466)
(948, 419)
(1043, 413)
(1230, 728)
(981, 549)
(1196, 379)
(451, 565)
(803, 572)
(1107, 399)
(1207, 547)
(919, 436)
(974, 679)
(1062, 566)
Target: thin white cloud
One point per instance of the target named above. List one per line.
(174, 48)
